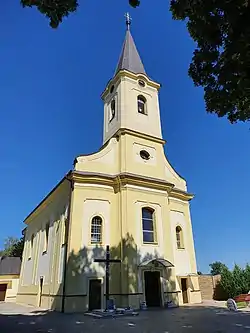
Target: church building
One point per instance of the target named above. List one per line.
(127, 196)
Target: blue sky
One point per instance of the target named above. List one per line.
(51, 81)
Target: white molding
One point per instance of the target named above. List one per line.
(145, 189)
(94, 185)
(94, 199)
(142, 203)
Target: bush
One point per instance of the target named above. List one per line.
(234, 282)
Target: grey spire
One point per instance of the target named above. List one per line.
(129, 58)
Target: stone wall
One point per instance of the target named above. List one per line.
(208, 285)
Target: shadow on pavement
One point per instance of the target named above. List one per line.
(205, 319)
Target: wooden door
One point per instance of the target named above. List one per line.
(95, 294)
(152, 288)
(3, 288)
(184, 290)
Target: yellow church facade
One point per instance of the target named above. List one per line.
(126, 196)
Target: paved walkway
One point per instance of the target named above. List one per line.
(196, 319)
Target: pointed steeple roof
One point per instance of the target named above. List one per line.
(129, 58)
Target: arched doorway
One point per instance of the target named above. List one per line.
(153, 273)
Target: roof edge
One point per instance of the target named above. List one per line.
(48, 195)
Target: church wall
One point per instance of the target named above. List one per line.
(185, 260)
(89, 201)
(156, 167)
(127, 115)
(124, 156)
(181, 256)
(135, 251)
(111, 127)
(180, 215)
(132, 162)
(137, 198)
(44, 261)
(104, 161)
(130, 118)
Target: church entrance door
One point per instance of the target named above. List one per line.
(152, 288)
(184, 290)
(3, 288)
(95, 294)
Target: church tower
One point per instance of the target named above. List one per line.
(131, 97)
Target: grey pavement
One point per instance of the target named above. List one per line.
(194, 319)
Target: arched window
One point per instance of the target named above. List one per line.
(148, 225)
(179, 238)
(96, 230)
(142, 104)
(112, 110)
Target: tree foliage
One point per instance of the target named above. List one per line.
(56, 10)
(235, 282)
(217, 267)
(13, 247)
(221, 59)
(226, 282)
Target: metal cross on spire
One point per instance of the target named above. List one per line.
(128, 20)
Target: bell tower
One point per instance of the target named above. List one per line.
(131, 97)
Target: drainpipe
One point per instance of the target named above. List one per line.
(121, 230)
(66, 244)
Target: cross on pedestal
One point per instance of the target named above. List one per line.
(107, 262)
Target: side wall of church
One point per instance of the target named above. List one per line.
(45, 258)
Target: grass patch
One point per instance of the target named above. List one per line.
(241, 305)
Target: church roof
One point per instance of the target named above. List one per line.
(129, 58)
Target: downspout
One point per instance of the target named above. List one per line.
(121, 210)
(66, 245)
(121, 229)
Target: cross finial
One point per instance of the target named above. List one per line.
(128, 20)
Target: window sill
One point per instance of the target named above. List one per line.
(180, 248)
(150, 243)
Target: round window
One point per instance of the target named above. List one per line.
(141, 83)
(112, 89)
(144, 155)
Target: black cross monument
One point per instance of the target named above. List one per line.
(107, 262)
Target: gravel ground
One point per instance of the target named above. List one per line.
(205, 318)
